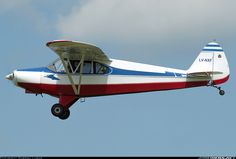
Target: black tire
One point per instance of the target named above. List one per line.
(58, 110)
(222, 92)
(65, 115)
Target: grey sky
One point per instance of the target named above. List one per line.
(149, 20)
(155, 24)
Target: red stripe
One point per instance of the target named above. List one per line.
(223, 80)
(110, 89)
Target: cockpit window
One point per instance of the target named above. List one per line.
(87, 67)
(100, 68)
(76, 68)
(57, 66)
(73, 66)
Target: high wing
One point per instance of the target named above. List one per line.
(72, 50)
(75, 50)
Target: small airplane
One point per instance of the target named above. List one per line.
(84, 70)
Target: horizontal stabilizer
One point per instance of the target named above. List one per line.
(203, 74)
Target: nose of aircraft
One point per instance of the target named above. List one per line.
(10, 76)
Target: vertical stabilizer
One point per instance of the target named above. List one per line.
(211, 60)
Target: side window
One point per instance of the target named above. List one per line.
(74, 64)
(100, 68)
(75, 69)
(87, 67)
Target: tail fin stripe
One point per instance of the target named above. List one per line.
(212, 45)
(208, 49)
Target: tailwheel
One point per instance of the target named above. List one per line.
(59, 111)
(222, 92)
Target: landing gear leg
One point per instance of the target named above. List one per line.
(221, 91)
(212, 84)
(59, 111)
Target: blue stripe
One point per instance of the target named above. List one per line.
(179, 74)
(212, 45)
(212, 49)
(117, 71)
(40, 69)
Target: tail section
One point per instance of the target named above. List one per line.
(211, 62)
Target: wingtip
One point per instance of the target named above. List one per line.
(48, 43)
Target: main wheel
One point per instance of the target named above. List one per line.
(58, 110)
(222, 92)
(65, 115)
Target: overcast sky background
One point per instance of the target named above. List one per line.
(190, 122)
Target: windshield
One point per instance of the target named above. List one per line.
(57, 66)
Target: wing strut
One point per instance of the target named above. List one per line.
(80, 73)
(69, 75)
